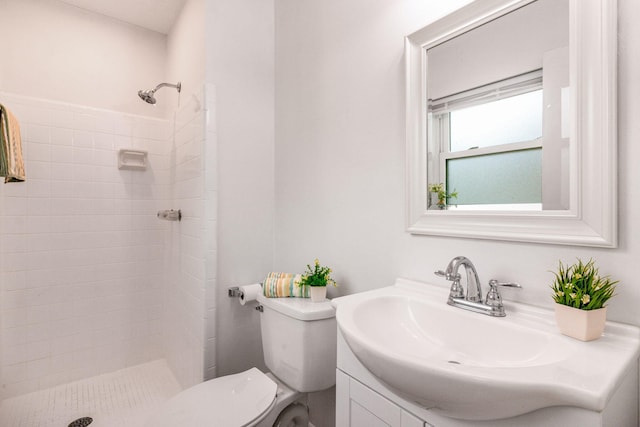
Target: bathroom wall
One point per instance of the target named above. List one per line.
(82, 250)
(56, 51)
(185, 54)
(240, 63)
(343, 184)
(340, 158)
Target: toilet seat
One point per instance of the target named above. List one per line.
(233, 400)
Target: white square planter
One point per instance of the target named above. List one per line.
(585, 325)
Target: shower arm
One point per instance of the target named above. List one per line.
(177, 86)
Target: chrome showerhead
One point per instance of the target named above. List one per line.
(148, 95)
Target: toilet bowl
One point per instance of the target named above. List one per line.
(299, 343)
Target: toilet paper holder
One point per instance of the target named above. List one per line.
(235, 292)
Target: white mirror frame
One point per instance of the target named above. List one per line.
(592, 217)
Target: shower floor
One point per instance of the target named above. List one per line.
(125, 398)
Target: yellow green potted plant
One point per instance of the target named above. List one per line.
(317, 278)
(580, 294)
(439, 195)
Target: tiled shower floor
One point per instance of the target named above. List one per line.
(123, 398)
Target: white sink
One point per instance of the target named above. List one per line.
(467, 365)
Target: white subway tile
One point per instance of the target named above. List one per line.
(61, 136)
(14, 280)
(82, 139)
(61, 156)
(84, 121)
(105, 158)
(14, 206)
(38, 350)
(104, 141)
(37, 133)
(38, 368)
(38, 152)
(14, 373)
(38, 170)
(38, 224)
(38, 188)
(83, 156)
(39, 206)
(61, 118)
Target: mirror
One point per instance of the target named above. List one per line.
(512, 105)
(498, 131)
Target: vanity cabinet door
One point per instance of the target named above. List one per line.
(359, 406)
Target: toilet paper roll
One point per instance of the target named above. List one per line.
(249, 293)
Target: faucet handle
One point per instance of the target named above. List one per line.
(447, 275)
(493, 296)
(440, 273)
(493, 284)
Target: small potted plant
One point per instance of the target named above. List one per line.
(440, 197)
(580, 294)
(317, 278)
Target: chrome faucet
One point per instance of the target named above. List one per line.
(491, 306)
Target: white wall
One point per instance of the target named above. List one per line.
(56, 51)
(81, 280)
(340, 157)
(239, 63)
(186, 54)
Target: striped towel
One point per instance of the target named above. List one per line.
(279, 285)
(11, 162)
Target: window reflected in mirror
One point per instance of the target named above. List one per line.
(497, 112)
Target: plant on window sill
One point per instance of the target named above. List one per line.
(442, 195)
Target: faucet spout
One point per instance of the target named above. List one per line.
(472, 301)
(474, 292)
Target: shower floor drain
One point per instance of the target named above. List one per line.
(81, 422)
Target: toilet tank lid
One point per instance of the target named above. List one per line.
(299, 308)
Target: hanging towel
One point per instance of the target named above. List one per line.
(279, 285)
(11, 161)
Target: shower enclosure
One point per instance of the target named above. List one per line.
(92, 281)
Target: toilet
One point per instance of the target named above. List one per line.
(299, 344)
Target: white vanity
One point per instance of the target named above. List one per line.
(406, 358)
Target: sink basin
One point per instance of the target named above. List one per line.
(467, 365)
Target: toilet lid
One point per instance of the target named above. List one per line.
(232, 400)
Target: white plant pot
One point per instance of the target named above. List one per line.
(318, 293)
(585, 325)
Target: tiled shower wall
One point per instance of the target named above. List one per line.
(191, 253)
(82, 250)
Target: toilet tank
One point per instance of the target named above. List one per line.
(299, 341)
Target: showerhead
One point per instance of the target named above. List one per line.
(148, 95)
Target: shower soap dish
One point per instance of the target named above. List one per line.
(132, 159)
